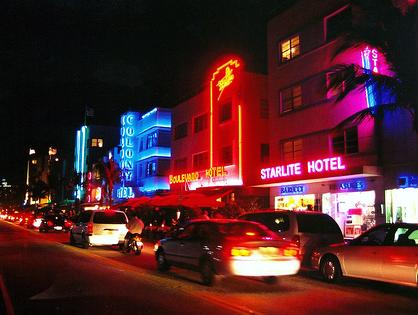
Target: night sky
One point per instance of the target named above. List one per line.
(59, 56)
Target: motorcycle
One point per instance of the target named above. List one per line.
(135, 245)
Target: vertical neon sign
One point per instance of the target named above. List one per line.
(369, 59)
(226, 71)
(127, 132)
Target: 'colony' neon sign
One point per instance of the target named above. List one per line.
(331, 164)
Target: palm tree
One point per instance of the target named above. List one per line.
(107, 173)
(391, 27)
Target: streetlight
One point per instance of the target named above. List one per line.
(31, 152)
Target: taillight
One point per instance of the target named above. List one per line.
(67, 223)
(240, 251)
(291, 251)
(90, 228)
(50, 223)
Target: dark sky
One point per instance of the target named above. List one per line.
(58, 56)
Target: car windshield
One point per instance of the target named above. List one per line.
(243, 229)
(317, 223)
(109, 217)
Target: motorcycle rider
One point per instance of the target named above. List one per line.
(134, 226)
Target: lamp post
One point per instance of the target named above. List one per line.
(31, 152)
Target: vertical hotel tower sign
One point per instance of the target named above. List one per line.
(127, 133)
(222, 83)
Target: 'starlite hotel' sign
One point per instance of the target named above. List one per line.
(332, 164)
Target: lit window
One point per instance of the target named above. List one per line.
(95, 142)
(151, 168)
(152, 140)
(200, 123)
(345, 141)
(289, 48)
(200, 161)
(292, 150)
(291, 98)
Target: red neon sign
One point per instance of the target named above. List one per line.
(331, 164)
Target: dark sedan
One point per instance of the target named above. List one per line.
(54, 222)
(228, 247)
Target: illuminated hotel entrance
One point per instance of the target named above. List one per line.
(401, 205)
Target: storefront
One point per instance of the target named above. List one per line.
(349, 198)
(401, 204)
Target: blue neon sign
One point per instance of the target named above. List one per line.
(292, 190)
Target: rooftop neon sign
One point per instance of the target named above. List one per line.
(225, 81)
(330, 164)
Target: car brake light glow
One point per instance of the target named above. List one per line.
(50, 223)
(290, 251)
(249, 233)
(90, 228)
(240, 251)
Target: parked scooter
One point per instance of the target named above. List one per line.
(135, 245)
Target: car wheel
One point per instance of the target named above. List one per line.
(330, 269)
(72, 240)
(207, 273)
(162, 264)
(85, 242)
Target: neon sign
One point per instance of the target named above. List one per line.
(225, 81)
(353, 185)
(331, 164)
(210, 173)
(369, 59)
(292, 190)
(127, 133)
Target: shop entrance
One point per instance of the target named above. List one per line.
(353, 211)
(295, 202)
(401, 205)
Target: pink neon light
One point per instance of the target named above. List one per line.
(331, 164)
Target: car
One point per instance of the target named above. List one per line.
(387, 252)
(54, 222)
(99, 227)
(308, 229)
(227, 247)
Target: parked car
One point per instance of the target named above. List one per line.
(387, 252)
(99, 227)
(54, 222)
(308, 229)
(228, 247)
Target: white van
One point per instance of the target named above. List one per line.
(99, 227)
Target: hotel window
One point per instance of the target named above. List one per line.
(180, 164)
(345, 141)
(180, 131)
(331, 78)
(264, 109)
(265, 153)
(152, 140)
(225, 113)
(336, 23)
(151, 169)
(200, 161)
(226, 155)
(200, 123)
(97, 142)
(289, 48)
(290, 98)
(292, 150)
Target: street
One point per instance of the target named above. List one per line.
(41, 273)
